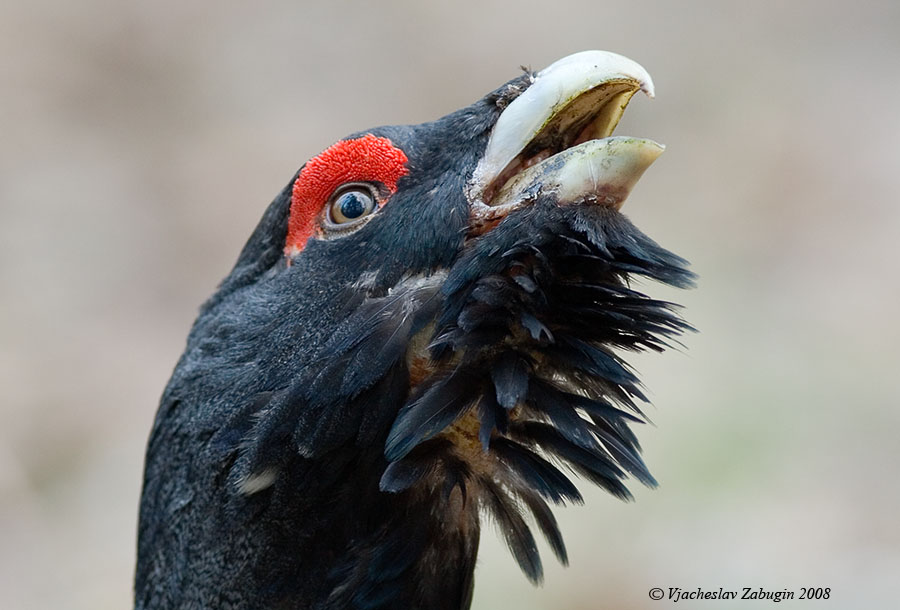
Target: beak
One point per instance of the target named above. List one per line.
(599, 171)
(554, 138)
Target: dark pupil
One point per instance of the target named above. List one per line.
(352, 205)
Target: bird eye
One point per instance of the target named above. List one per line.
(351, 204)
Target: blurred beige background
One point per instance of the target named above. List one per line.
(141, 142)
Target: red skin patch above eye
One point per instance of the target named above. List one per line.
(365, 159)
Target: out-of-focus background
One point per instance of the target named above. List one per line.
(140, 142)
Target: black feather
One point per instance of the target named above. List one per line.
(429, 413)
(487, 414)
(421, 462)
(596, 466)
(510, 377)
(514, 531)
(546, 522)
(536, 472)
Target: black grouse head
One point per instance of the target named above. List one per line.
(425, 327)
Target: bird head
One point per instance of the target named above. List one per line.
(441, 310)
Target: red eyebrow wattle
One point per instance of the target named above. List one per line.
(365, 159)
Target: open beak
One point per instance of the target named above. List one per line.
(554, 138)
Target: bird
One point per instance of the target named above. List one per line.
(425, 332)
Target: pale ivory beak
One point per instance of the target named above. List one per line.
(554, 137)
